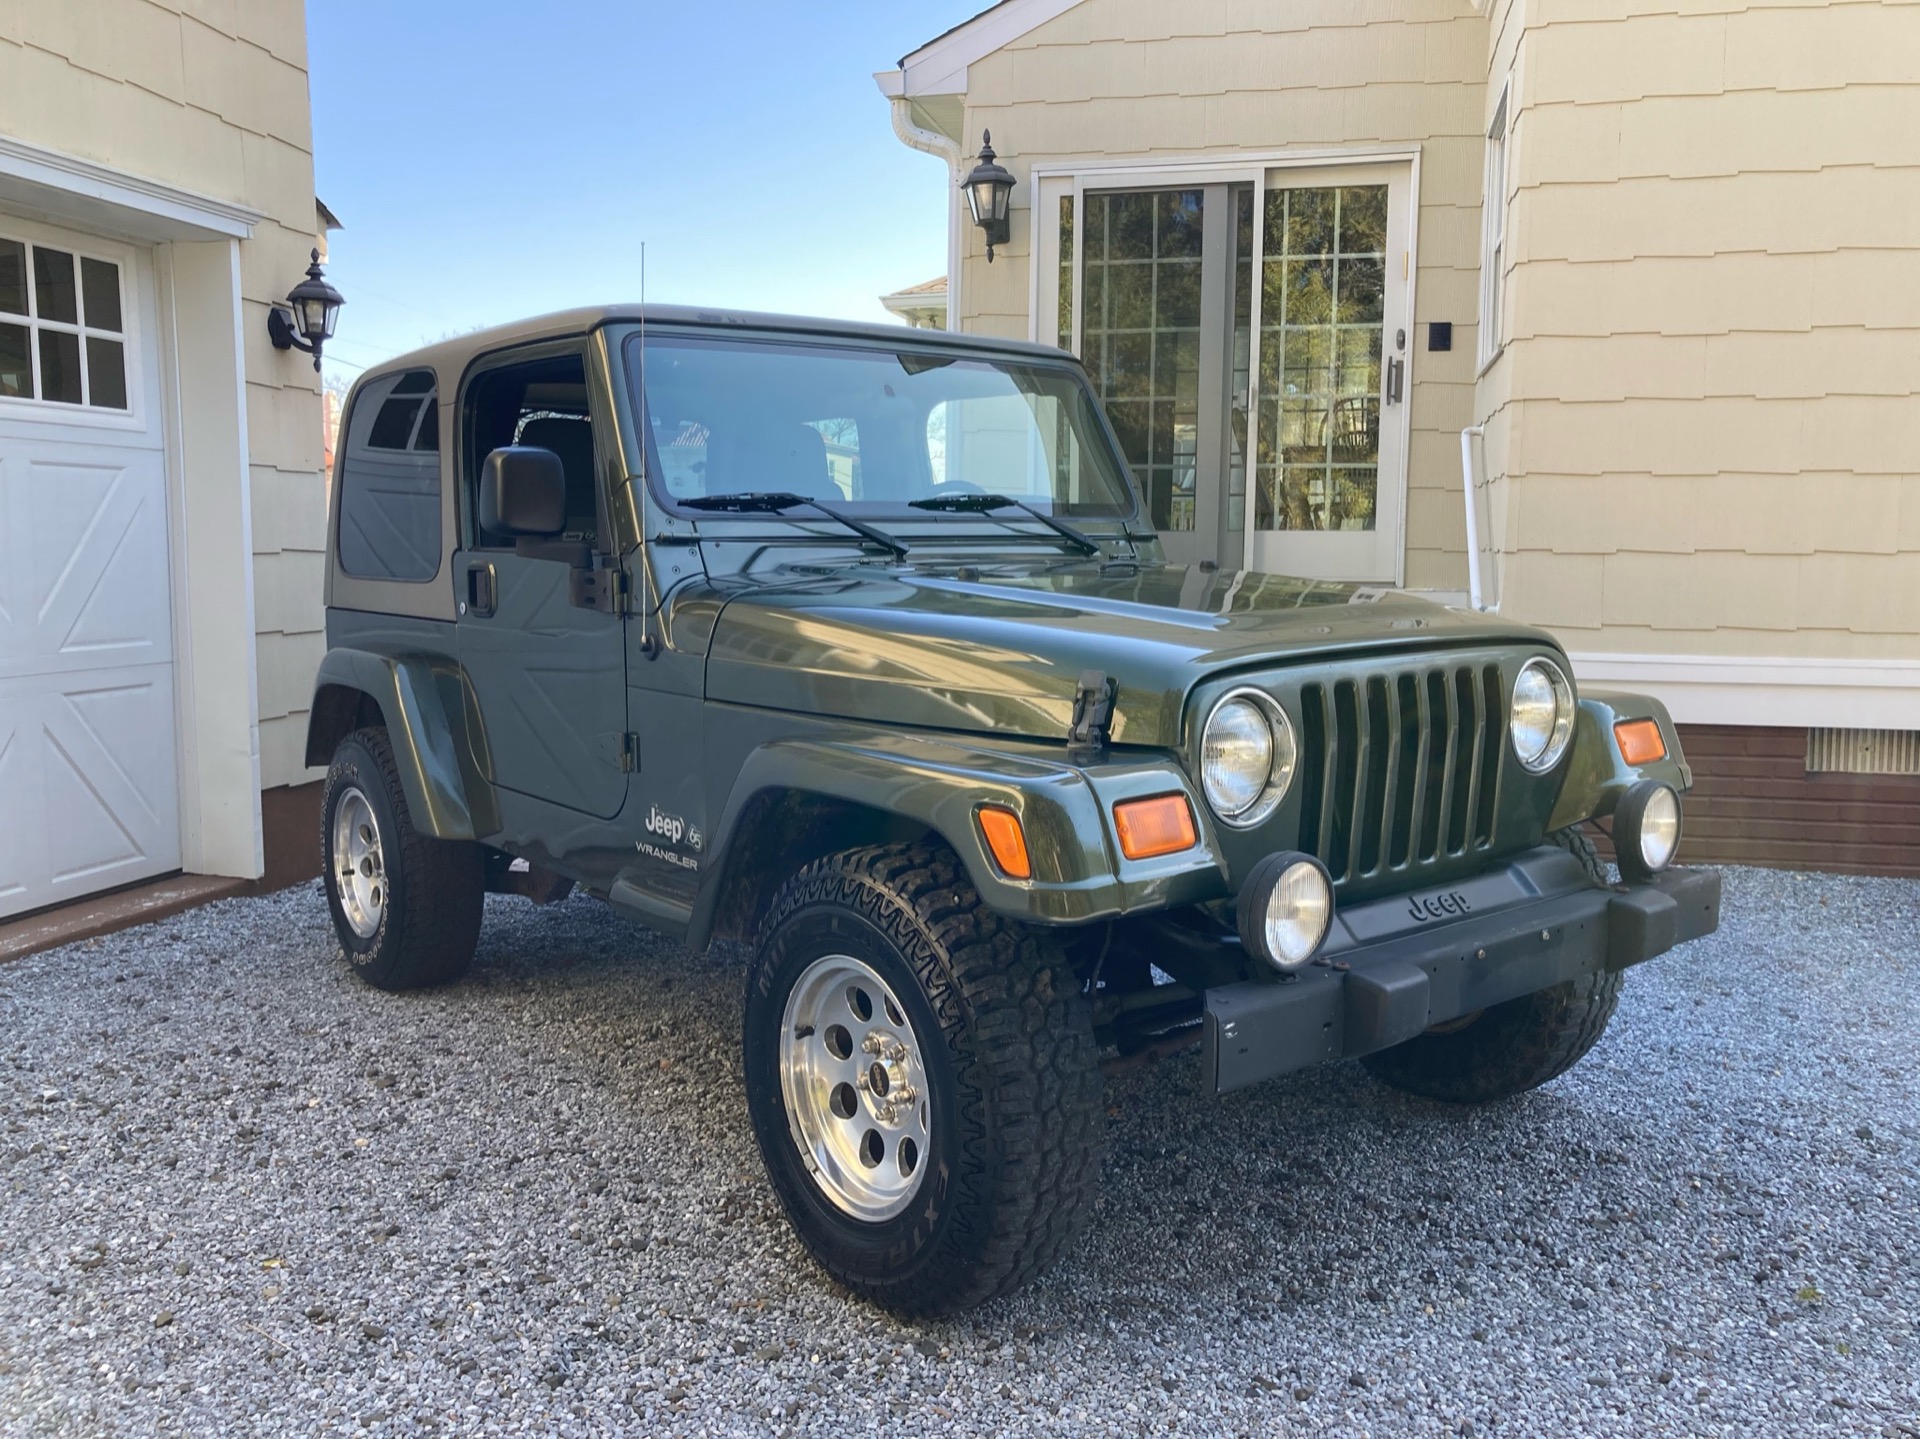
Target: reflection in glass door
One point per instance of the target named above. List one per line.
(1320, 359)
(1250, 314)
(1329, 482)
(1143, 255)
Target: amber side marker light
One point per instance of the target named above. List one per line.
(1149, 828)
(1006, 840)
(1640, 741)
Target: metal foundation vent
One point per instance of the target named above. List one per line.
(1863, 751)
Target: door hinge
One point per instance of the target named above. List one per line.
(603, 590)
(625, 752)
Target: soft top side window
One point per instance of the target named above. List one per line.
(390, 479)
(541, 403)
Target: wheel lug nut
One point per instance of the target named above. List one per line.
(871, 1044)
(897, 1053)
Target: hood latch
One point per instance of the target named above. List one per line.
(1092, 714)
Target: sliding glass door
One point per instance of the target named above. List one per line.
(1163, 285)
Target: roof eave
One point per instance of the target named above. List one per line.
(939, 67)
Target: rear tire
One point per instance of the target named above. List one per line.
(1513, 1047)
(886, 959)
(405, 905)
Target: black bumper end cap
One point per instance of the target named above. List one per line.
(1386, 1004)
(1652, 917)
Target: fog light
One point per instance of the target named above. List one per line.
(1285, 909)
(1646, 829)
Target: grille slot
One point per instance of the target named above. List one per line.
(1400, 768)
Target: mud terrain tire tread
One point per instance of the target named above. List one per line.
(1012, 1018)
(436, 888)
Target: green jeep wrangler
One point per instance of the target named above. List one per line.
(854, 644)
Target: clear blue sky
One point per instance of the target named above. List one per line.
(493, 160)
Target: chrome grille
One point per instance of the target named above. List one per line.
(1399, 768)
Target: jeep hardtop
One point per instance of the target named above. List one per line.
(855, 645)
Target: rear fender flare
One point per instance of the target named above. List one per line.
(423, 705)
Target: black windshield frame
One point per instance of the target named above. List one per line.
(1089, 421)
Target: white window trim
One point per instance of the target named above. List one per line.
(88, 247)
(1493, 232)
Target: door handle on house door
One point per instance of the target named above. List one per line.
(1396, 379)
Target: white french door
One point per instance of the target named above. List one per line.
(1228, 313)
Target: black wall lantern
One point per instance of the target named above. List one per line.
(988, 188)
(306, 321)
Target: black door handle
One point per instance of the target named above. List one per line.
(480, 588)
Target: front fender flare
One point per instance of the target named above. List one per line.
(422, 703)
(1597, 776)
(1079, 875)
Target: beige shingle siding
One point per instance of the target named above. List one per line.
(1124, 78)
(211, 96)
(1713, 385)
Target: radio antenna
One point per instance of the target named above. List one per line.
(649, 641)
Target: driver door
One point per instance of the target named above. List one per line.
(548, 673)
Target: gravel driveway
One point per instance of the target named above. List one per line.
(245, 1194)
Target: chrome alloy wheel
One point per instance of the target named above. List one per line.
(359, 866)
(855, 1088)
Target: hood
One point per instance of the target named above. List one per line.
(1003, 648)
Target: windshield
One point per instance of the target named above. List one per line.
(870, 430)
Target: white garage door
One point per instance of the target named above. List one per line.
(88, 785)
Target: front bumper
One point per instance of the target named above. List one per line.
(1394, 967)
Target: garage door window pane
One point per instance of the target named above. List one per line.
(100, 286)
(106, 373)
(389, 494)
(60, 367)
(13, 277)
(54, 295)
(16, 366)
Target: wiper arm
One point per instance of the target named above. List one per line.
(774, 502)
(987, 504)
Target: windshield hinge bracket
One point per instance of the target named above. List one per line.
(1092, 714)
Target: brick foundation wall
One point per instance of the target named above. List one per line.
(1753, 802)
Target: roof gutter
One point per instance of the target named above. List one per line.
(892, 84)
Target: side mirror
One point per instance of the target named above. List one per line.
(523, 491)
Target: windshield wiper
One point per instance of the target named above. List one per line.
(987, 504)
(774, 502)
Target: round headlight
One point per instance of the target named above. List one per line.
(1646, 829)
(1246, 756)
(1285, 910)
(1542, 719)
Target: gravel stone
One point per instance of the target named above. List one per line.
(194, 1125)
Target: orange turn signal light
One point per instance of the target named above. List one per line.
(1006, 840)
(1152, 827)
(1640, 741)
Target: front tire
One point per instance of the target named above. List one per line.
(1513, 1047)
(405, 905)
(880, 971)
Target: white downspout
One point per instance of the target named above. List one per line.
(932, 142)
(1471, 483)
